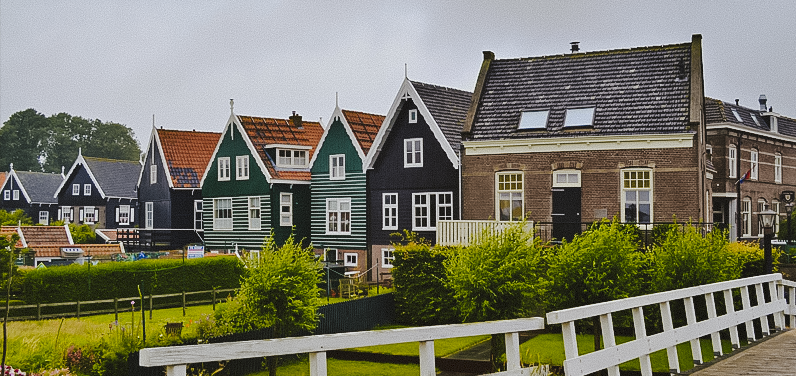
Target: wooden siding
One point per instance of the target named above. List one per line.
(240, 233)
(158, 194)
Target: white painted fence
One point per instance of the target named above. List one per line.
(177, 358)
(612, 355)
(465, 232)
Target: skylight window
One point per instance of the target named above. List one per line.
(737, 116)
(533, 119)
(578, 117)
(755, 119)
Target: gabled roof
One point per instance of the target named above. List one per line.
(3, 176)
(35, 236)
(361, 128)
(113, 178)
(443, 108)
(642, 90)
(38, 187)
(718, 111)
(94, 250)
(185, 155)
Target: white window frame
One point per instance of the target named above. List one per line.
(44, 217)
(579, 116)
(732, 161)
(15, 194)
(222, 207)
(223, 169)
(534, 119)
(746, 216)
(389, 209)
(67, 215)
(86, 189)
(350, 259)
(124, 215)
(7, 195)
(255, 213)
(75, 189)
(778, 168)
(286, 209)
(566, 178)
(291, 158)
(89, 215)
(153, 173)
(198, 215)
(387, 257)
(630, 181)
(754, 164)
(242, 167)
(413, 152)
(149, 215)
(413, 116)
(511, 190)
(337, 167)
(422, 219)
(338, 216)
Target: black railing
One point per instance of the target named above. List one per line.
(153, 240)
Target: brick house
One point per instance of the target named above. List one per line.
(759, 141)
(580, 137)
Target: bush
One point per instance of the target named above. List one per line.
(685, 258)
(751, 258)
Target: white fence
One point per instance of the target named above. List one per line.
(177, 358)
(612, 355)
(465, 232)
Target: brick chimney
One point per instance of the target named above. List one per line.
(296, 120)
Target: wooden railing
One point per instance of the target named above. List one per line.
(465, 232)
(612, 355)
(177, 358)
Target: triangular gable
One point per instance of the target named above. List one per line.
(12, 175)
(408, 91)
(233, 120)
(338, 114)
(79, 161)
(155, 138)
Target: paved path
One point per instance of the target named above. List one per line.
(774, 356)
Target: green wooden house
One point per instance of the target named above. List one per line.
(258, 181)
(339, 207)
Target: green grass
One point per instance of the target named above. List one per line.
(348, 368)
(442, 347)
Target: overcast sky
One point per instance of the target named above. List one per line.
(124, 61)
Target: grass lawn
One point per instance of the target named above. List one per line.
(347, 367)
(443, 347)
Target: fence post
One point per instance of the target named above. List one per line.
(150, 305)
(116, 309)
(214, 298)
(183, 303)
(38, 311)
(78, 309)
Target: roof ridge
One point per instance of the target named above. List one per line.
(99, 159)
(441, 87)
(187, 131)
(286, 120)
(601, 52)
(361, 112)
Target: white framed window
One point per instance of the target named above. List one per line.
(413, 152)
(153, 174)
(16, 194)
(149, 215)
(746, 216)
(7, 195)
(66, 214)
(387, 257)
(286, 209)
(90, 215)
(223, 168)
(350, 259)
(637, 195)
(509, 196)
(753, 158)
(44, 217)
(222, 214)
(123, 214)
(291, 158)
(75, 189)
(778, 168)
(242, 167)
(732, 161)
(338, 216)
(86, 189)
(337, 167)
(428, 208)
(389, 206)
(198, 217)
(444, 207)
(566, 178)
(578, 117)
(413, 116)
(534, 119)
(254, 213)
(420, 212)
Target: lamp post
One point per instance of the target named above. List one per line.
(766, 218)
(788, 211)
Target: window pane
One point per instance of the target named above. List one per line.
(533, 119)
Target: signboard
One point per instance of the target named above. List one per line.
(787, 196)
(196, 251)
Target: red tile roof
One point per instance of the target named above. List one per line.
(2, 177)
(365, 127)
(95, 250)
(35, 236)
(264, 131)
(187, 154)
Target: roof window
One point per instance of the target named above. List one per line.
(755, 119)
(534, 119)
(576, 117)
(737, 116)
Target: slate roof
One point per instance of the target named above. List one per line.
(448, 107)
(717, 111)
(40, 186)
(365, 127)
(638, 90)
(117, 178)
(264, 131)
(187, 154)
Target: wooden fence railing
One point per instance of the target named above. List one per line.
(643, 345)
(80, 307)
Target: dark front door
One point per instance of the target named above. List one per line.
(566, 212)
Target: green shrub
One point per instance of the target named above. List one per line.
(685, 258)
(751, 257)
(82, 234)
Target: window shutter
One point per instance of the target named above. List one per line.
(117, 214)
(132, 217)
(96, 215)
(81, 215)
(60, 216)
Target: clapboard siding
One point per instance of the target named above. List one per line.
(240, 233)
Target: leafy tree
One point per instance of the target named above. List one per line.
(14, 218)
(500, 276)
(787, 228)
(23, 140)
(82, 234)
(8, 247)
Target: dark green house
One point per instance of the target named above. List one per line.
(339, 206)
(258, 181)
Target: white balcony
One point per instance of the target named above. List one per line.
(464, 232)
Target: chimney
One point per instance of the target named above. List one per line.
(574, 47)
(736, 102)
(296, 120)
(762, 101)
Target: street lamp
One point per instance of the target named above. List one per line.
(766, 218)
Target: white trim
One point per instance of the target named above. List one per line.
(80, 161)
(757, 132)
(256, 225)
(345, 259)
(21, 187)
(338, 221)
(583, 143)
(650, 189)
(217, 224)
(238, 159)
(290, 213)
(234, 120)
(390, 206)
(385, 258)
(414, 163)
(521, 191)
(725, 194)
(566, 172)
(149, 215)
(288, 146)
(337, 115)
(340, 174)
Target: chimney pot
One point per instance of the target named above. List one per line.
(574, 47)
(762, 101)
(736, 102)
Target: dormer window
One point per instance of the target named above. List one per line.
(579, 117)
(534, 119)
(737, 116)
(291, 158)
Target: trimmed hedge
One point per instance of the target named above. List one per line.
(120, 280)
(422, 292)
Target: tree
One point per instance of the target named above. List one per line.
(8, 246)
(82, 234)
(686, 258)
(500, 276)
(23, 140)
(14, 218)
